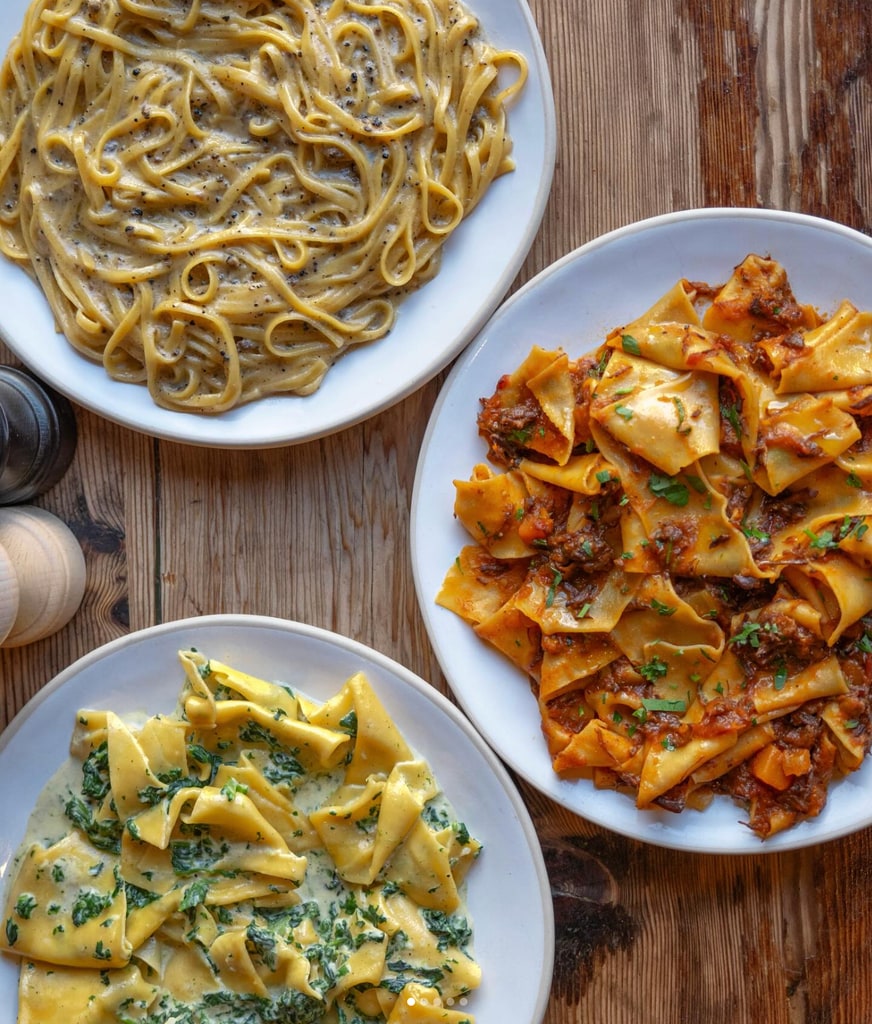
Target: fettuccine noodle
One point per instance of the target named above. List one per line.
(220, 197)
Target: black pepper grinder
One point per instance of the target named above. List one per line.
(37, 436)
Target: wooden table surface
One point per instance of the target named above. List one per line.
(662, 105)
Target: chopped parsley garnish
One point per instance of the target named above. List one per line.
(552, 590)
(754, 533)
(661, 608)
(750, 633)
(681, 412)
(520, 435)
(731, 415)
(830, 539)
(667, 487)
(822, 541)
(653, 669)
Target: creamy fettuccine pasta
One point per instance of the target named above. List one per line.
(253, 856)
(220, 197)
(671, 537)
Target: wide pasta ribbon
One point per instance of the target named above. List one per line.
(683, 517)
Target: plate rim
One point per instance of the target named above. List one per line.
(367, 655)
(790, 840)
(172, 425)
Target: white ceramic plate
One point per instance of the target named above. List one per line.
(508, 891)
(480, 261)
(572, 304)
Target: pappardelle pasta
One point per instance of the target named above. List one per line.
(252, 856)
(671, 539)
(219, 198)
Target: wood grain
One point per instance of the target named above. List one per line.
(662, 105)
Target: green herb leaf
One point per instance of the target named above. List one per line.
(654, 704)
(663, 609)
(755, 534)
(731, 415)
(667, 487)
(750, 633)
(653, 670)
(552, 590)
(821, 541)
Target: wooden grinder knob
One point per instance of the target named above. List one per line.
(9, 598)
(49, 569)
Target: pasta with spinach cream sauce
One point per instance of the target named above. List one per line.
(255, 856)
(220, 197)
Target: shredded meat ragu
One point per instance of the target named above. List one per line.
(504, 426)
(762, 627)
(785, 642)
